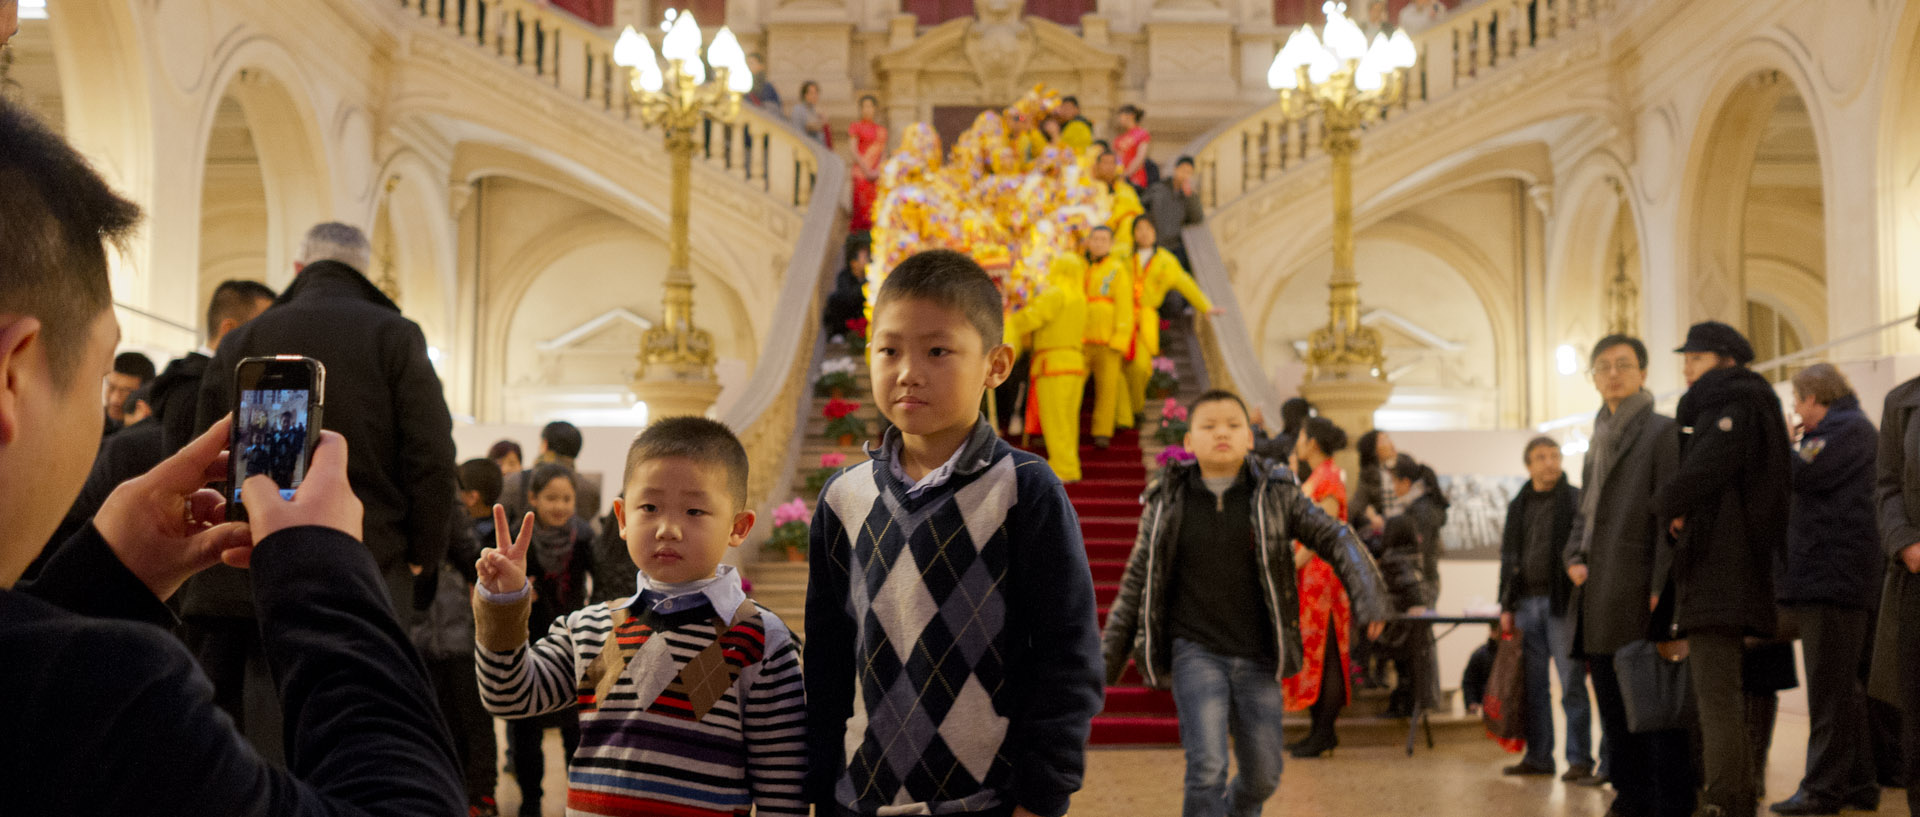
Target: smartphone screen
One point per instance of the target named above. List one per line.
(274, 440)
(276, 423)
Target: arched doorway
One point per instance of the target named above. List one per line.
(1759, 258)
(233, 203)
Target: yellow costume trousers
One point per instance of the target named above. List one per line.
(1139, 371)
(1110, 404)
(1058, 397)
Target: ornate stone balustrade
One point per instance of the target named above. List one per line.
(576, 59)
(1469, 46)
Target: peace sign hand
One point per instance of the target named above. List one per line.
(503, 568)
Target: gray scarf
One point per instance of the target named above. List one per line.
(1612, 431)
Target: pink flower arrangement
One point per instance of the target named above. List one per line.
(1172, 410)
(832, 459)
(1173, 453)
(795, 511)
(1163, 364)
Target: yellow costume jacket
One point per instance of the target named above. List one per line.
(1153, 280)
(1057, 318)
(1110, 313)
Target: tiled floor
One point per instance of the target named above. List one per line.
(1460, 778)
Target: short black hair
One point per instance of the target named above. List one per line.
(704, 441)
(952, 281)
(866, 97)
(1616, 339)
(1331, 438)
(56, 217)
(1370, 450)
(481, 475)
(1183, 160)
(235, 298)
(858, 243)
(562, 438)
(1542, 441)
(135, 364)
(545, 473)
(1294, 414)
(503, 448)
(805, 85)
(1103, 146)
(1218, 396)
(1070, 100)
(1409, 469)
(1136, 111)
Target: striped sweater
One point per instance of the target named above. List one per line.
(697, 710)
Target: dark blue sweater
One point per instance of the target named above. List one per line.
(963, 620)
(107, 714)
(1833, 547)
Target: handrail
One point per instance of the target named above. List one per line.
(165, 322)
(1573, 420)
(576, 59)
(765, 152)
(1464, 47)
(1226, 340)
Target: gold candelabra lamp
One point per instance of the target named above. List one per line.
(1348, 83)
(678, 99)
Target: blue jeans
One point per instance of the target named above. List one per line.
(1545, 637)
(1220, 696)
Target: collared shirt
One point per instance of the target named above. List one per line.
(890, 450)
(722, 590)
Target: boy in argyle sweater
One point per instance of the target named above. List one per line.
(953, 656)
(690, 695)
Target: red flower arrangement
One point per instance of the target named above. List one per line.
(838, 408)
(841, 424)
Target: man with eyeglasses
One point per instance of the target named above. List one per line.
(1727, 510)
(1618, 559)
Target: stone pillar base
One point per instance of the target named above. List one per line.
(1349, 399)
(668, 397)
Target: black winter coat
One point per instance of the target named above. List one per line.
(175, 399)
(1136, 625)
(1513, 545)
(1629, 558)
(1833, 544)
(382, 395)
(1733, 490)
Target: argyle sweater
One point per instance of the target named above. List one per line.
(697, 711)
(953, 662)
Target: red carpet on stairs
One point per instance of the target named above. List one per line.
(1107, 499)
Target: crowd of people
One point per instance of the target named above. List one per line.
(346, 648)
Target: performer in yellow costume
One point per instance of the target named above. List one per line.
(1110, 317)
(1123, 201)
(1155, 273)
(1057, 319)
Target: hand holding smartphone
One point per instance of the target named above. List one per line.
(277, 404)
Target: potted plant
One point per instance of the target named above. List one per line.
(841, 424)
(790, 530)
(857, 335)
(829, 463)
(1173, 453)
(836, 377)
(1162, 383)
(1173, 423)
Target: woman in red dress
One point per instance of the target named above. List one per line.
(1326, 617)
(869, 151)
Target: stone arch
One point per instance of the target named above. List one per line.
(281, 119)
(107, 94)
(1757, 86)
(1596, 227)
(1898, 174)
(413, 236)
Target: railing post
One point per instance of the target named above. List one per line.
(1230, 172)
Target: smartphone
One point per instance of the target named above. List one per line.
(277, 404)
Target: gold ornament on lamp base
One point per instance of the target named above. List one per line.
(675, 375)
(1348, 83)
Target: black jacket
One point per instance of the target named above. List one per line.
(1833, 546)
(1513, 543)
(107, 714)
(382, 395)
(1896, 498)
(1136, 624)
(175, 399)
(1733, 489)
